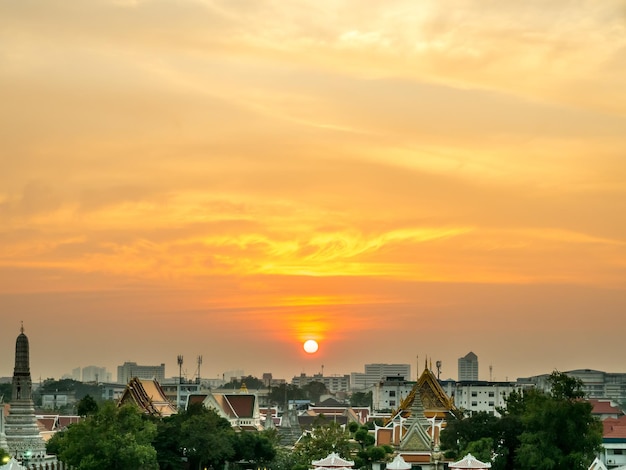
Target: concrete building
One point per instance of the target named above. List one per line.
(596, 383)
(476, 396)
(333, 383)
(95, 374)
(468, 367)
(374, 373)
(130, 370)
(389, 392)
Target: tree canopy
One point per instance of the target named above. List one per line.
(113, 438)
(545, 431)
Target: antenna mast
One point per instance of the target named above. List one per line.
(199, 364)
(180, 369)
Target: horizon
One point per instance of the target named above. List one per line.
(231, 179)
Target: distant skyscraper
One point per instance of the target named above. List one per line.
(22, 433)
(130, 370)
(468, 367)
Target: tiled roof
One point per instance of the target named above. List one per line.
(604, 407)
(242, 405)
(149, 396)
(614, 428)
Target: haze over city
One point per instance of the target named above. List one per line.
(392, 179)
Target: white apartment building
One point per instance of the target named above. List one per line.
(374, 373)
(333, 383)
(389, 392)
(596, 383)
(130, 370)
(476, 396)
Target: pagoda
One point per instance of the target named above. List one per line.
(21, 430)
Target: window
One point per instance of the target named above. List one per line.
(491, 403)
(474, 403)
(474, 394)
(392, 393)
(492, 394)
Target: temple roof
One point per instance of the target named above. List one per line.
(469, 462)
(398, 463)
(147, 395)
(333, 460)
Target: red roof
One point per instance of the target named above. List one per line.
(604, 407)
(614, 427)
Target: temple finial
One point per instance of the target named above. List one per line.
(22, 327)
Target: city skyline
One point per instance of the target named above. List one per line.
(231, 179)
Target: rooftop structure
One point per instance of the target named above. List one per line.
(148, 396)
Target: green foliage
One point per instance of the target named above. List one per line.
(314, 390)
(6, 392)
(285, 392)
(198, 435)
(361, 399)
(255, 448)
(112, 438)
(4, 456)
(554, 431)
(86, 406)
(325, 437)
(559, 432)
(458, 434)
(252, 383)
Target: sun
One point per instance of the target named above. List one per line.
(310, 346)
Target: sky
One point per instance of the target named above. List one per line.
(397, 179)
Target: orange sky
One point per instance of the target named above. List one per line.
(392, 178)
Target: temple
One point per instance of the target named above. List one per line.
(21, 430)
(413, 428)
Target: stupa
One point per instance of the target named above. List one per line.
(22, 433)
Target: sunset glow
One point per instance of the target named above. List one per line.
(234, 178)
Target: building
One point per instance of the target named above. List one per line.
(595, 383)
(333, 383)
(241, 408)
(148, 396)
(95, 374)
(468, 367)
(614, 442)
(389, 392)
(130, 370)
(476, 396)
(21, 429)
(374, 373)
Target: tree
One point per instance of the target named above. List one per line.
(559, 431)
(314, 390)
(197, 435)
(113, 438)
(325, 437)
(462, 434)
(255, 448)
(86, 406)
(361, 399)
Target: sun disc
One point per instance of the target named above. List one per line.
(310, 346)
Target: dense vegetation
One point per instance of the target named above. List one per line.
(543, 431)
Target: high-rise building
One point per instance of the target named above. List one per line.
(374, 373)
(21, 430)
(130, 370)
(468, 367)
(95, 374)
